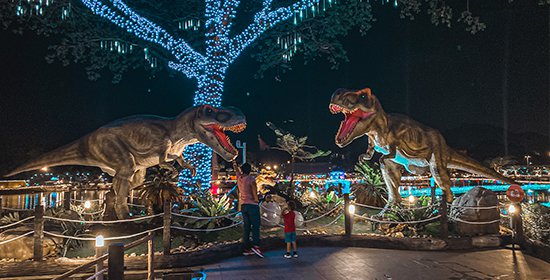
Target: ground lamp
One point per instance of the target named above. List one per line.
(99, 244)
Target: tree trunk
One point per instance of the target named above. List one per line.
(209, 91)
(292, 188)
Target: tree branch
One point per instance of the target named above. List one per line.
(263, 20)
(189, 61)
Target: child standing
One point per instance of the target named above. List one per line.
(289, 217)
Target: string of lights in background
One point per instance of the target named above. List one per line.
(209, 69)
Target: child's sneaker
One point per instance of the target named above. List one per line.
(248, 252)
(257, 251)
(287, 255)
(295, 254)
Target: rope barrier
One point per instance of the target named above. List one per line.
(94, 213)
(84, 200)
(474, 223)
(137, 205)
(97, 274)
(15, 209)
(15, 223)
(304, 229)
(204, 218)
(395, 222)
(103, 222)
(13, 239)
(475, 207)
(106, 238)
(322, 226)
(393, 209)
(206, 229)
(317, 218)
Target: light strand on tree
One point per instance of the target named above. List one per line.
(221, 51)
(127, 19)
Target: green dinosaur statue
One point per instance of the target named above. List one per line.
(126, 148)
(403, 143)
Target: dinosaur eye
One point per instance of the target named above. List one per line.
(363, 96)
(209, 110)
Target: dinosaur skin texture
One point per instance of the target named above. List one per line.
(127, 147)
(404, 143)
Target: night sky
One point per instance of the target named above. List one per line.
(445, 78)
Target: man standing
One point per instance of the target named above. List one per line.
(248, 202)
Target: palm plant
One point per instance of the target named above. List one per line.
(375, 192)
(207, 205)
(296, 147)
(161, 185)
(321, 202)
(537, 220)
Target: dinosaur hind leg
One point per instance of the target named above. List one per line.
(122, 182)
(391, 172)
(441, 177)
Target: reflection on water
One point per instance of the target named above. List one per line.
(50, 199)
(55, 199)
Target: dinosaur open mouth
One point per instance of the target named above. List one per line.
(351, 119)
(223, 139)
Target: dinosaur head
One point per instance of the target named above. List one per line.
(359, 108)
(211, 124)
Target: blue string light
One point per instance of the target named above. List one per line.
(209, 69)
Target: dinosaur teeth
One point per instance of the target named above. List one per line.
(236, 128)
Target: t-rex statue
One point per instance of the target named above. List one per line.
(127, 147)
(403, 143)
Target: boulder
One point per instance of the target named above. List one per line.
(476, 197)
(22, 248)
(271, 213)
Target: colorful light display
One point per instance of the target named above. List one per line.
(221, 50)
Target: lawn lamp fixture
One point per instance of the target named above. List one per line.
(312, 194)
(99, 241)
(411, 199)
(87, 204)
(351, 209)
(512, 209)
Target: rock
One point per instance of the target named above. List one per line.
(486, 241)
(476, 197)
(271, 214)
(22, 248)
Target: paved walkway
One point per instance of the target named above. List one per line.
(381, 264)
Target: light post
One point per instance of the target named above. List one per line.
(527, 157)
(99, 244)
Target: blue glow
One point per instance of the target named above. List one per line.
(462, 190)
(545, 204)
(208, 69)
(54, 178)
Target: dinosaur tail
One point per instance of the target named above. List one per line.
(69, 154)
(465, 163)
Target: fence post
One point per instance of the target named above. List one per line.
(38, 250)
(517, 225)
(99, 266)
(116, 262)
(67, 199)
(348, 216)
(444, 230)
(166, 228)
(150, 257)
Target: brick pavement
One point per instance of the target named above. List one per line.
(382, 264)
